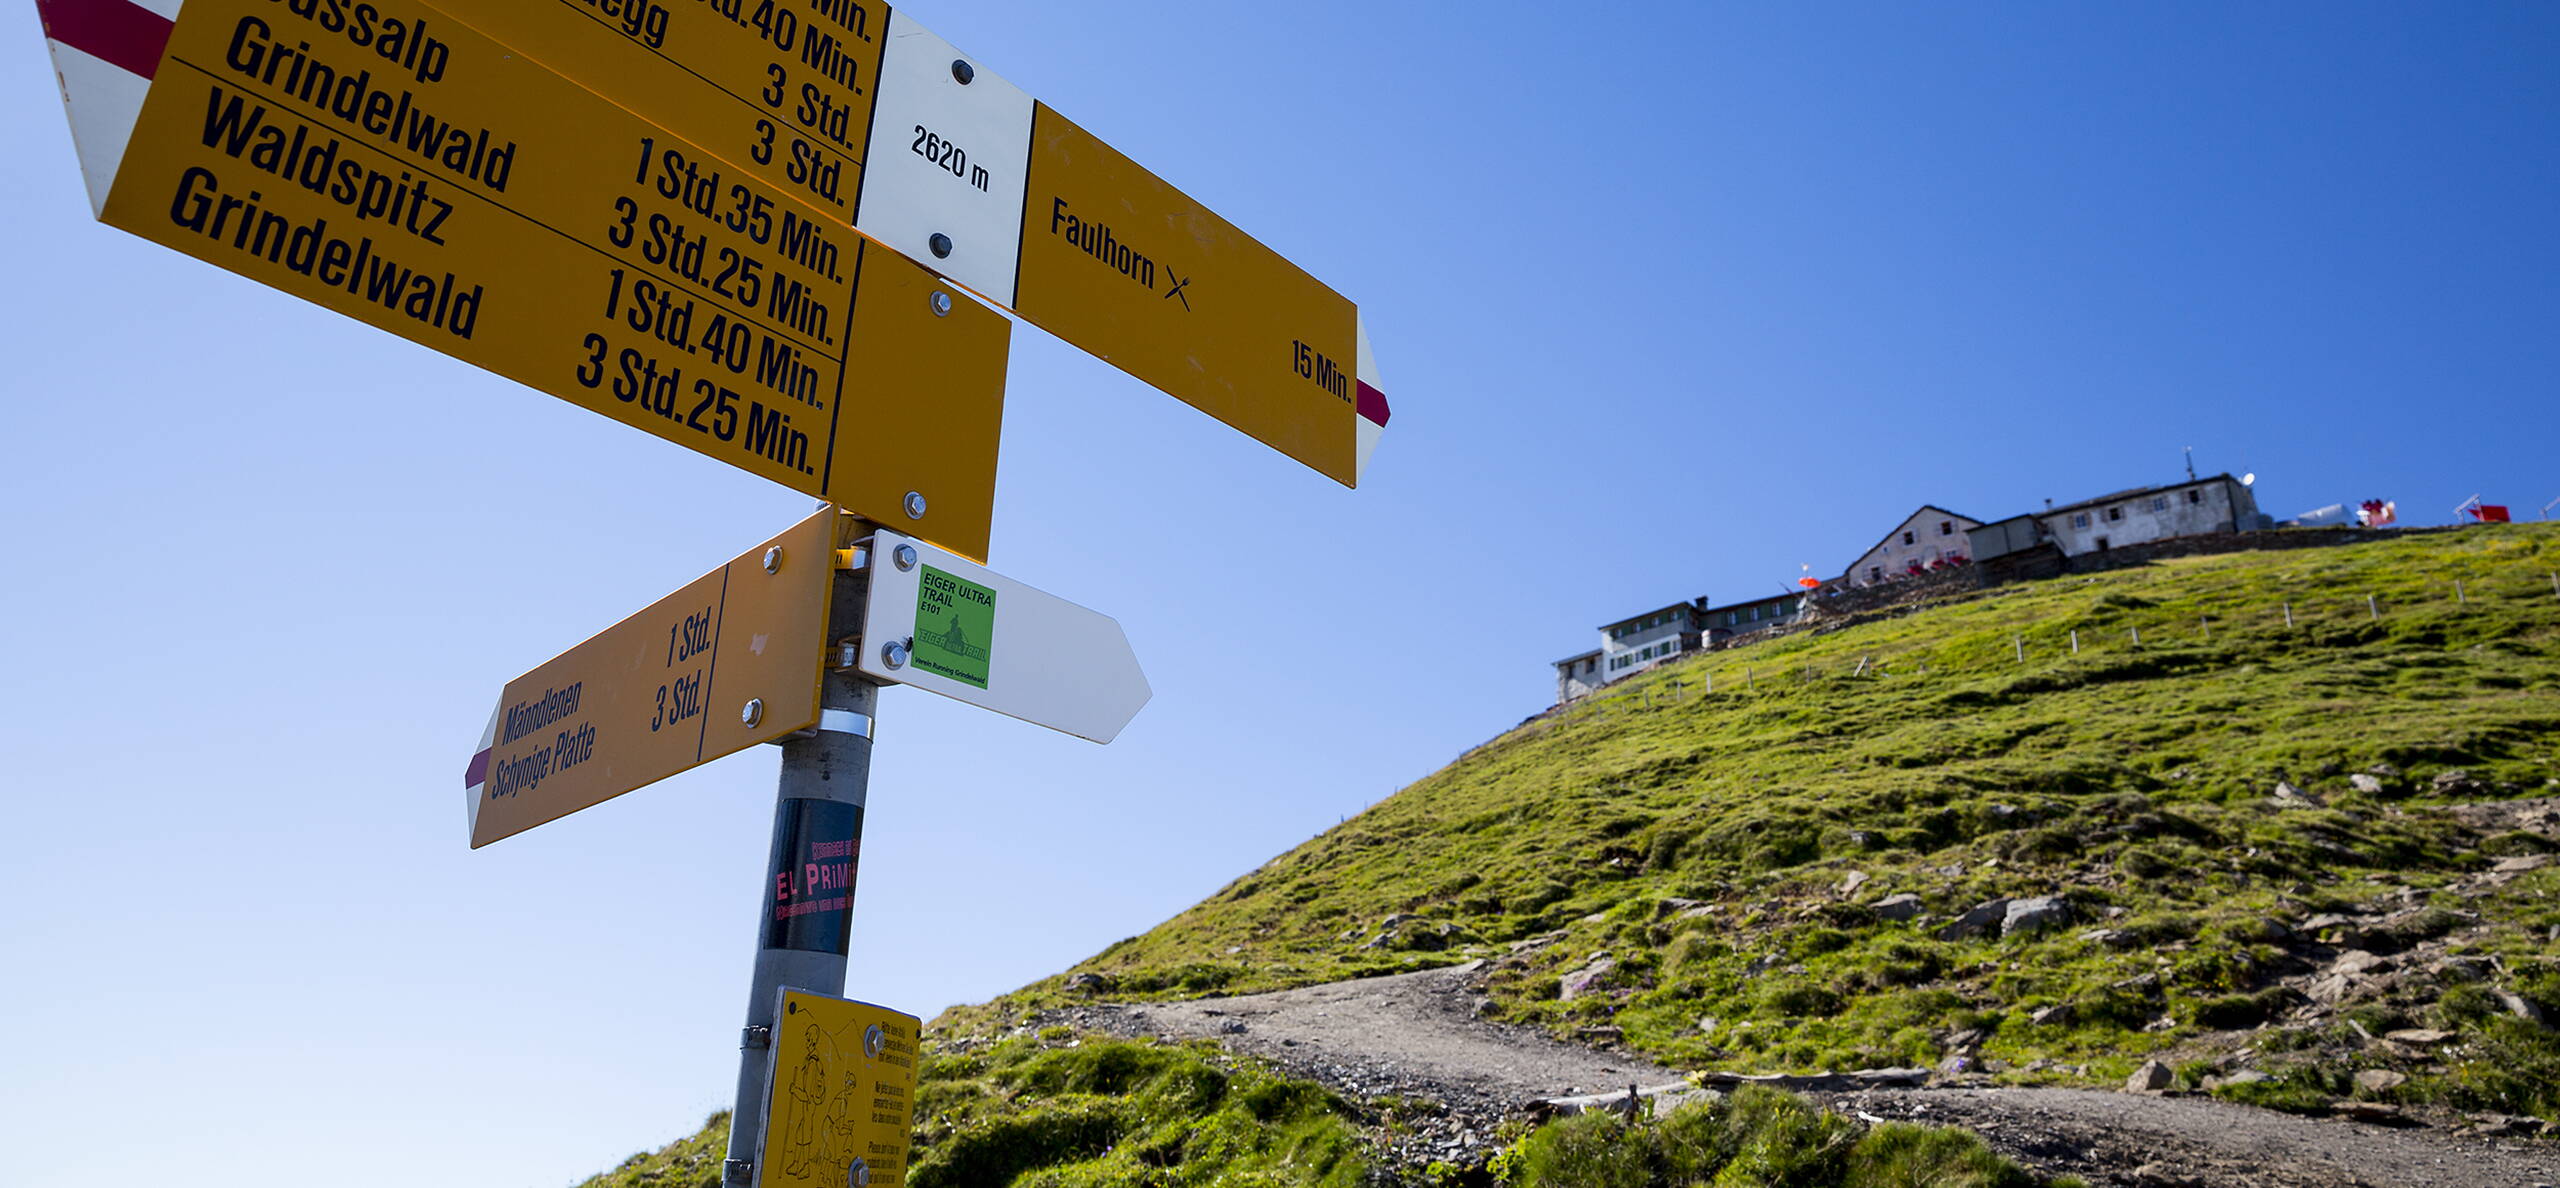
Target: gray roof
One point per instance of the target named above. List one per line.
(1677, 606)
(2137, 493)
(1881, 541)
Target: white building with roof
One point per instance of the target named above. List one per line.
(1927, 539)
(2192, 508)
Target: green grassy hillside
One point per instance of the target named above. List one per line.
(1699, 862)
(2297, 865)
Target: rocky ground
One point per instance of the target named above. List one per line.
(1419, 1037)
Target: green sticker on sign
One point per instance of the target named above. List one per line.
(955, 627)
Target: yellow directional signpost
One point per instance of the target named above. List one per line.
(840, 1094)
(415, 175)
(729, 661)
(714, 221)
(888, 129)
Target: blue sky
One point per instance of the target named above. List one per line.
(1670, 300)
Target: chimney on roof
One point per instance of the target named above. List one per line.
(2048, 503)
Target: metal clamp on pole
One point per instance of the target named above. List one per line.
(836, 721)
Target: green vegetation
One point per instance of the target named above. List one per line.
(1063, 1110)
(1701, 864)
(1761, 1137)
(1703, 849)
(685, 1163)
(1070, 1110)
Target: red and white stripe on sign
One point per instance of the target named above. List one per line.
(118, 32)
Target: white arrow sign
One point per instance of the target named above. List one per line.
(947, 625)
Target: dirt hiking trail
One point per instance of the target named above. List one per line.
(1419, 1036)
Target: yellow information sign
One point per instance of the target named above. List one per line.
(840, 1096)
(731, 660)
(784, 86)
(388, 162)
(1119, 262)
(888, 129)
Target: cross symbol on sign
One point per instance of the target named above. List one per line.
(1179, 282)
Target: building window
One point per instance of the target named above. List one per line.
(1946, 528)
(2080, 520)
(2195, 496)
(2102, 544)
(1906, 538)
(2159, 503)
(1875, 573)
(1589, 665)
(2114, 514)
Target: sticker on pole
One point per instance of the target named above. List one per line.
(955, 627)
(939, 622)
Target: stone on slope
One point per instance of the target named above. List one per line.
(1582, 981)
(2288, 796)
(2027, 917)
(2521, 1007)
(1983, 920)
(2380, 1080)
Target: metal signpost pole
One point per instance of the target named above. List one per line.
(805, 906)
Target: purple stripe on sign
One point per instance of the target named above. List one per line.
(473, 775)
(1373, 406)
(118, 32)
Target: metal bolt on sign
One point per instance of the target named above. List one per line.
(773, 559)
(942, 305)
(915, 505)
(962, 72)
(894, 653)
(752, 712)
(906, 558)
(941, 245)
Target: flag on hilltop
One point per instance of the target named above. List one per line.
(2484, 513)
